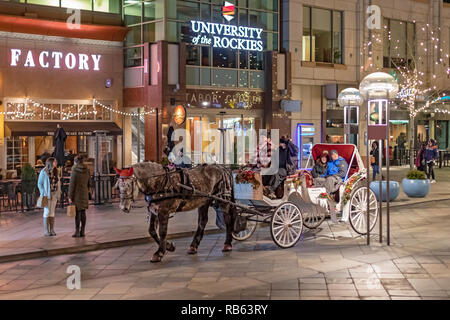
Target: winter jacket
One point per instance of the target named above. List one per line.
(420, 156)
(292, 162)
(79, 186)
(44, 184)
(376, 155)
(319, 170)
(338, 168)
(431, 153)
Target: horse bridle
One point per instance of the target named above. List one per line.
(165, 185)
(133, 185)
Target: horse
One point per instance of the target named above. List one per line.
(164, 196)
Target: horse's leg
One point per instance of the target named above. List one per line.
(202, 221)
(152, 228)
(229, 217)
(152, 231)
(163, 217)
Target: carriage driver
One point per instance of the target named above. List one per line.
(336, 171)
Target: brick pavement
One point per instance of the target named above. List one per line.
(329, 263)
(22, 233)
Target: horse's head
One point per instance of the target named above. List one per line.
(127, 188)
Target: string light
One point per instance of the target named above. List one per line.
(69, 115)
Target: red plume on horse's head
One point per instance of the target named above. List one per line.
(124, 172)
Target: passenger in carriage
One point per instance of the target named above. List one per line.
(320, 168)
(336, 171)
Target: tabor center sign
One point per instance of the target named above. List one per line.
(226, 36)
(54, 60)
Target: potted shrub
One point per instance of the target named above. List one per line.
(28, 185)
(248, 185)
(416, 184)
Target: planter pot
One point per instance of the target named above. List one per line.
(416, 188)
(394, 189)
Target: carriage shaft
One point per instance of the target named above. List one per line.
(204, 194)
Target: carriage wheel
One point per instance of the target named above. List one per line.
(358, 210)
(287, 225)
(248, 232)
(314, 217)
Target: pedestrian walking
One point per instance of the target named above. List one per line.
(49, 184)
(431, 154)
(421, 164)
(375, 159)
(79, 194)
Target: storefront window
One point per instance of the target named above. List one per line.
(224, 58)
(193, 76)
(77, 4)
(442, 133)
(224, 78)
(192, 55)
(399, 43)
(133, 14)
(187, 11)
(322, 35)
(153, 10)
(111, 6)
(16, 152)
(133, 36)
(68, 112)
(138, 138)
(53, 3)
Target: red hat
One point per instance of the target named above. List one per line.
(124, 172)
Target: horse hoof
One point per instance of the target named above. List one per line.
(155, 258)
(227, 248)
(192, 250)
(170, 247)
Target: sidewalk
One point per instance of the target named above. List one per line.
(21, 234)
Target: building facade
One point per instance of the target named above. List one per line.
(335, 44)
(220, 60)
(56, 71)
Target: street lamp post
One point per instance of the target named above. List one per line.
(351, 99)
(378, 88)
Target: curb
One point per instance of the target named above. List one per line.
(396, 205)
(95, 246)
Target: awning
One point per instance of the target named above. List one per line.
(35, 128)
(62, 29)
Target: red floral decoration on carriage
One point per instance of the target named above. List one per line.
(247, 177)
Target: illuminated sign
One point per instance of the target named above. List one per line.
(226, 36)
(179, 115)
(55, 60)
(228, 11)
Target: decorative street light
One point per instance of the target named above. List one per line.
(377, 89)
(351, 99)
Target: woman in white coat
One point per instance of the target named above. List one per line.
(49, 184)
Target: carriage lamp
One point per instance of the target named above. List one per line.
(351, 99)
(377, 89)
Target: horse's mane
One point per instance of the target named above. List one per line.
(145, 170)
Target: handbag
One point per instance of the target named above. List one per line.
(71, 211)
(42, 202)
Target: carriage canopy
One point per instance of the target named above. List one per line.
(347, 151)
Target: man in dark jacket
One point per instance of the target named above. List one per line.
(79, 194)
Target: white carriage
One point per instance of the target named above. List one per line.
(304, 204)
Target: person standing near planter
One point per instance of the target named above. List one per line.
(49, 184)
(431, 154)
(420, 160)
(375, 159)
(79, 194)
